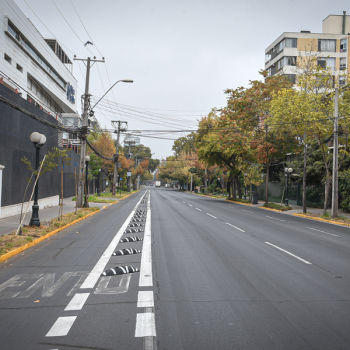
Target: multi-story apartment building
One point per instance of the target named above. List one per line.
(330, 46)
(36, 68)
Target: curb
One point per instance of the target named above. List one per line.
(40, 239)
(320, 219)
(249, 205)
(279, 211)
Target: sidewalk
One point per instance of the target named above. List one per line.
(11, 223)
(297, 209)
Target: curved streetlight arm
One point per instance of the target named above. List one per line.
(123, 80)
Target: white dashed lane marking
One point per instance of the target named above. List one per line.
(332, 234)
(61, 327)
(212, 216)
(270, 217)
(198, 209)
(237, 228)
(289, 253)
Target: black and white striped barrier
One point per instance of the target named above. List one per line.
(133, 230)
(130, 239)
(120, 270)
(137, 220)
(136, 225)
(126, 251)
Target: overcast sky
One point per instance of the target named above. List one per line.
(180, 54)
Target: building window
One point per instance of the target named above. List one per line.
(291, 42)
(326, 62)
(326, 45)
(343, 45)
(342, 64)
(290, 61)
(290, 77)
(7, 58)
(32, 51)
(342, 81)
(19, 68)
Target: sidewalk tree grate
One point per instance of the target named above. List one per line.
(130, 239)
(126, 251)
(120, 270)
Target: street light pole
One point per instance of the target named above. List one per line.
(87, 160)
(38, 140)
(335, 159)
(287, 171)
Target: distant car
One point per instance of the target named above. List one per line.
(151, 184)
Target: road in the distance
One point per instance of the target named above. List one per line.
(236, 277)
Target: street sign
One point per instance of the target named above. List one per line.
(128, 173)
(119, 165)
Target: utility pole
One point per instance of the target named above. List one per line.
(205, 182)
(335, 159)
(129, 170)
(191, 181)
(122, 126)
(80, 197)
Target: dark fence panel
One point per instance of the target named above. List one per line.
(15, 130)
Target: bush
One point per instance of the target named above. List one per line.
(277, 206)
(238, 200)
(344, 189)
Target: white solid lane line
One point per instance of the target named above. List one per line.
(77, 301)
(199, 209)
(237, 228)
(291, 254)
(145, 299)
(96, 272)
(61, 327)
(332, 234)
(212, 216)
(146, 278)
(273, 218)
(145, 325)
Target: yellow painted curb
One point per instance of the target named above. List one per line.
(38, 240)
(320, 219)
(280, 211)
(250, 205)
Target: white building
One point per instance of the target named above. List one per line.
(36, 68)
(330, 47)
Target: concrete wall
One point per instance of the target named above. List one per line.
(334, 24)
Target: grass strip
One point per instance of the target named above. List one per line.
(277, 206)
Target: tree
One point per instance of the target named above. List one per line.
(184, 144)
(306, 114)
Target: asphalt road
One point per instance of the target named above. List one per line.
(214, 275)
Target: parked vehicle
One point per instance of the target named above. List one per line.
(157, 183)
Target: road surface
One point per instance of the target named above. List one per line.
(213, 275)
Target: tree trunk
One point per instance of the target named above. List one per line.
(93, 185)
(328, 182)
(239, 188)
(304, 176)
(229, 187)
(233, 187)
(267, 184)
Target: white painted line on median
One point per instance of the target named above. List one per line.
(146, 278)
(77, 301)
(291, 254)
(235, 227)
(212, 216)
(145, 325)
(190, 205)
(332, 234)
(198, 209)
(61, 327)
(96, 272)
(273, 218)
(145, 299)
